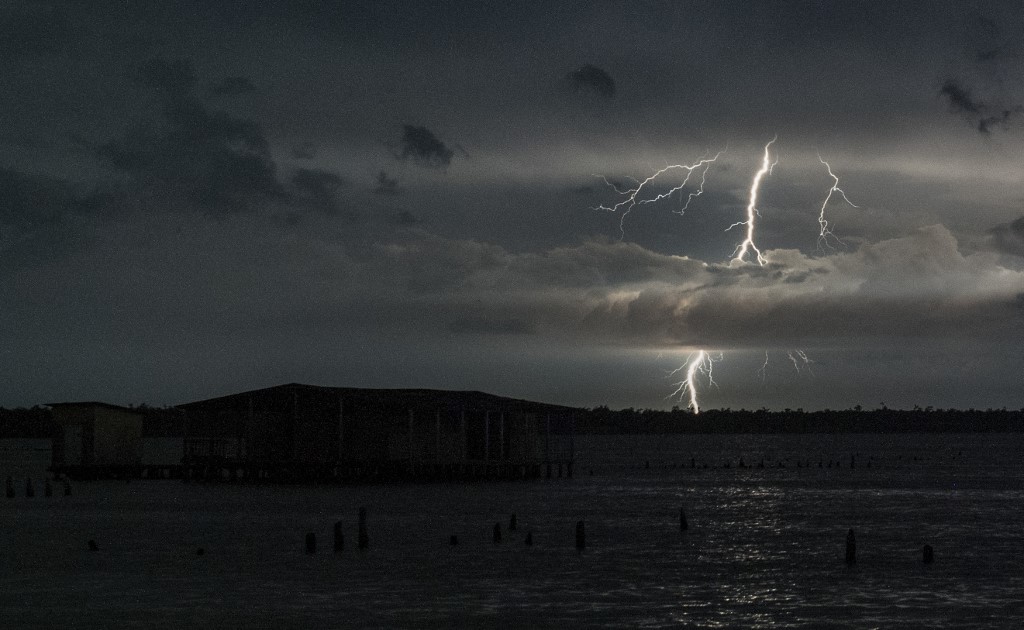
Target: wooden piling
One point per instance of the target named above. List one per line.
(512, 523)
(93, 546)
(48, 489)
(310, 543)
(29, 490)
(453, 540)
(529, 539)
(67, 488)
(581, 536)
(339, 537)
(497, 533)
(851, 548)
(364, 539)
(10, 488)
(683, 525)
(928, 554)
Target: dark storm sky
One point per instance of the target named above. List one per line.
(202, 197)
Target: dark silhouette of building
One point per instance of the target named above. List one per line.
(92, 436)
(297, 432)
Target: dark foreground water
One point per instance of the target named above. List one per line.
(764, 549)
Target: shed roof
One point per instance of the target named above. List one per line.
(426, 397)
(93, 403)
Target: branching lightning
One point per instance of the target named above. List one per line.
(635, 195)
(700, 362)
(767, 166)
(800, 360)
(826, 231)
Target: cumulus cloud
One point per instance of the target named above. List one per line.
(210, 157)
(989, 62)
(986, 116)
(1009, 237)
(919, 286)
(591, 80)
(422, 147)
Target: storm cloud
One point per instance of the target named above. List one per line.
(169, 231)
(422, 147)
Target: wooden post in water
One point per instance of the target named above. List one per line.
(512, 523)
(364, 539)
(683, 525)
(928, 554)
(10, 488)
(47, 489)
(851, 548)
(93, 546)
(310, 543)
(29, 490)
(581, 536)
(497, 533)
(529, 539)
(339, 538)
(453, 540)
(67, 488)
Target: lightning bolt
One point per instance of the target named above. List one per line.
(748, 243)
(637, 195)
(800, 360)
(764, 367)
(826, 231)
(700, 362)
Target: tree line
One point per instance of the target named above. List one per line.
(38, 422)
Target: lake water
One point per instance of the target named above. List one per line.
(764, 548)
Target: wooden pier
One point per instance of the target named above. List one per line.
(299, 472)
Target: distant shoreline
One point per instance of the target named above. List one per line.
(37, 422)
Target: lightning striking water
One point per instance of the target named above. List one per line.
(635, 196)
(826, 231)
(699, 362)
(748, 243)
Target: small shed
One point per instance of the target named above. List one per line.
(96, 434)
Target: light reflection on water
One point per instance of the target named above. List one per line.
(764, 548)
